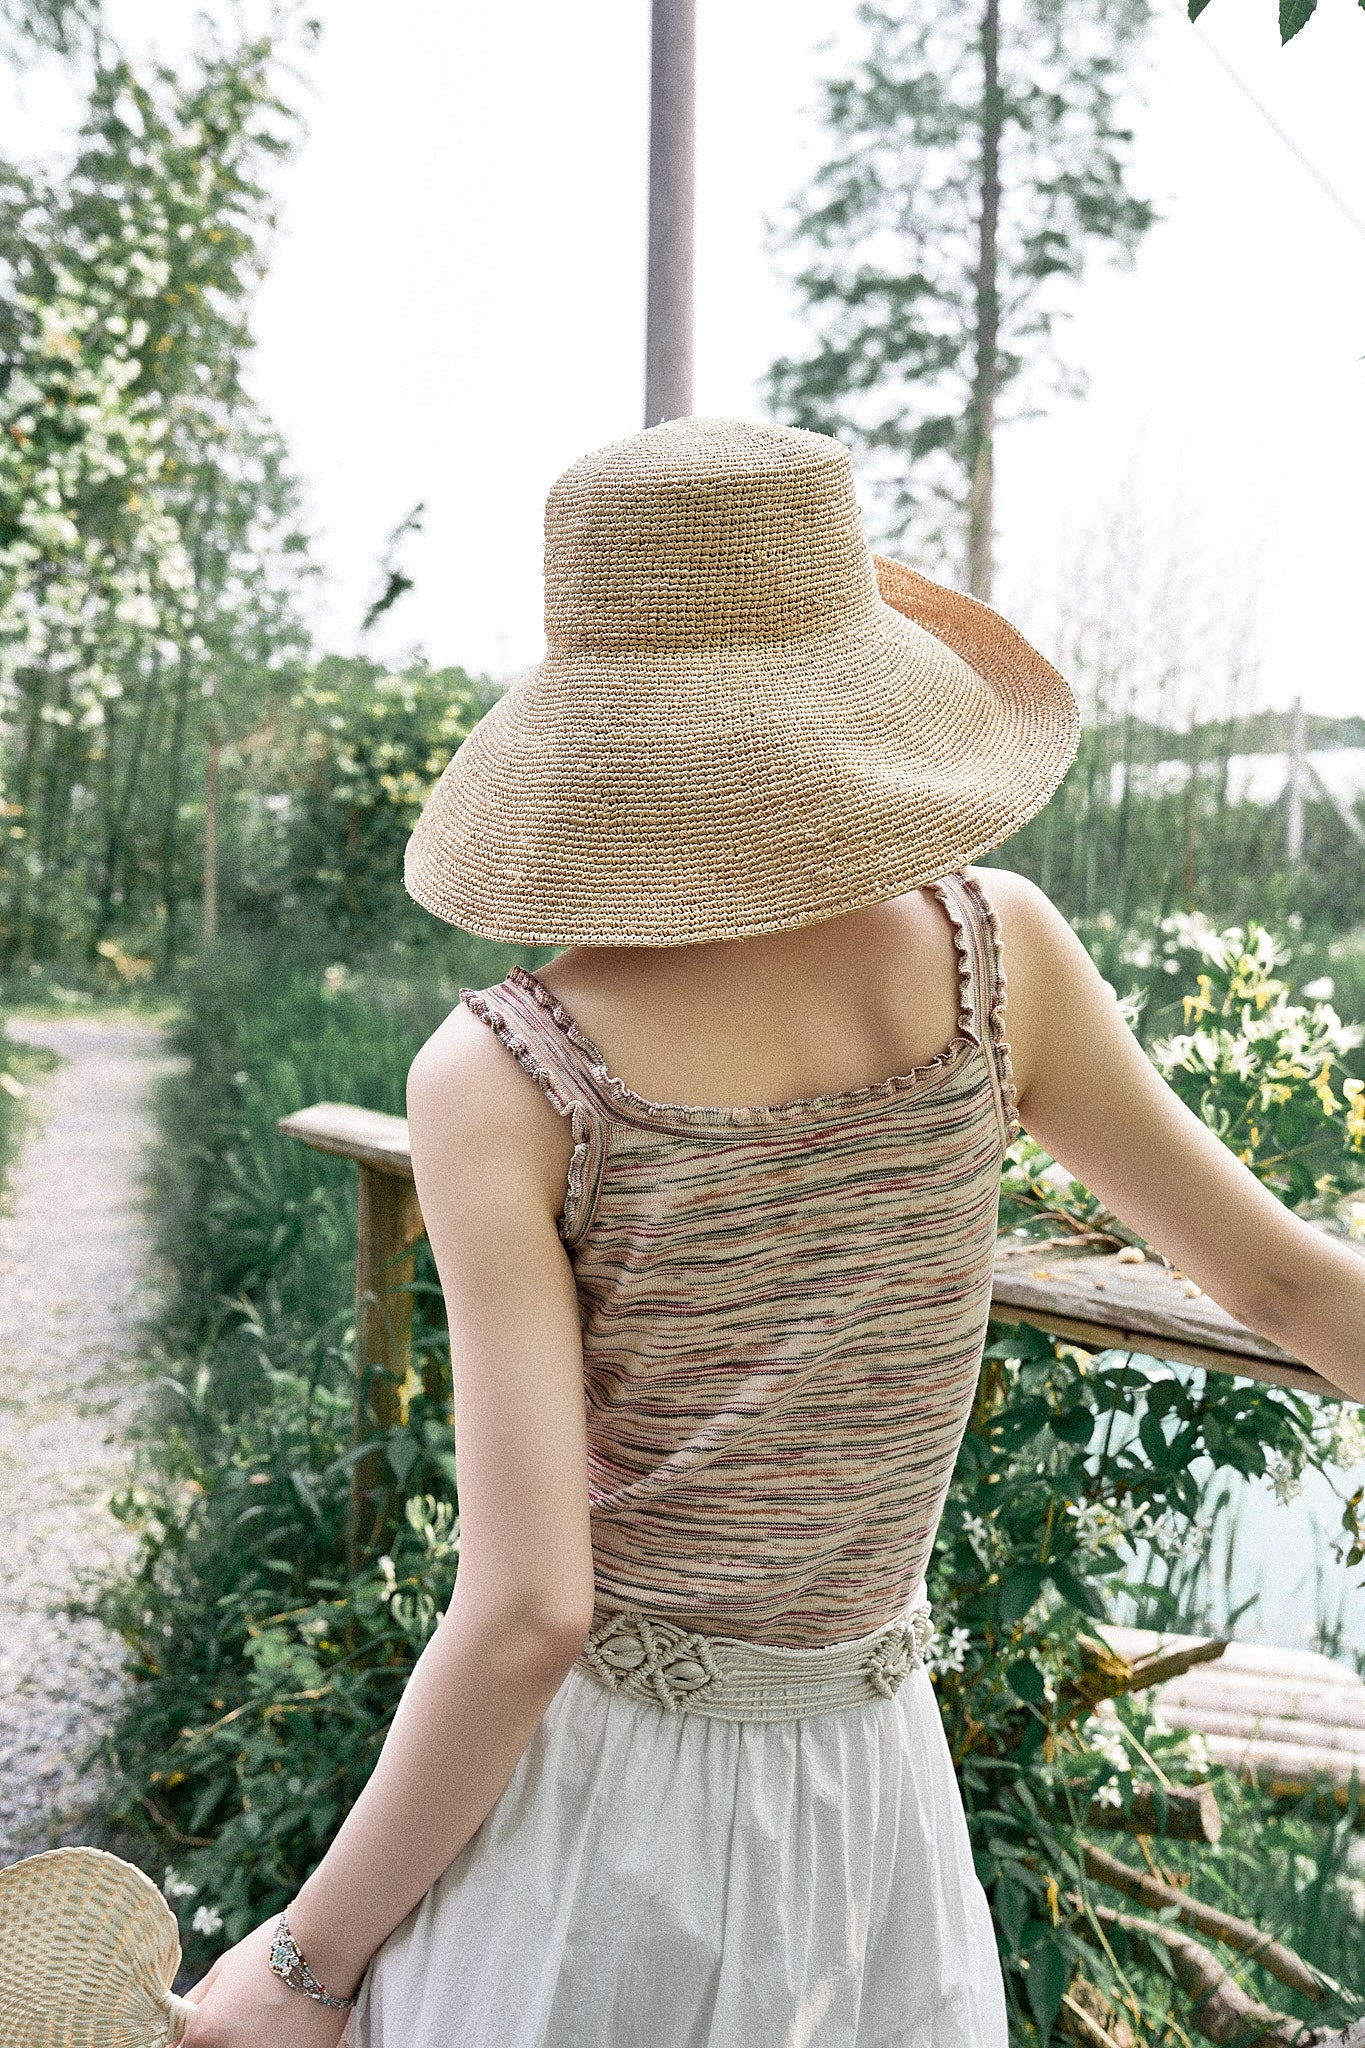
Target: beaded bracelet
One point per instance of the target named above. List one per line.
(289, 1965)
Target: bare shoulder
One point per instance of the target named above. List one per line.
(1050, 978)
(472, 1104)
(1034, 934)
(1018, 902)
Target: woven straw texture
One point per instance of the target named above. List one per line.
(744, 721)
(88, 1952)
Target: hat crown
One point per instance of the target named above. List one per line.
(700, 532)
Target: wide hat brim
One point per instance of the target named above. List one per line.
(678, 796)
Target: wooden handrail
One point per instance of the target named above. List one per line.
(1104, 1304)
(1091, 1298)
(388, 1228)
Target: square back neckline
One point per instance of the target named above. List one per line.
(966, 1038)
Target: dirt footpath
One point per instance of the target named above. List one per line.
(73, 1251)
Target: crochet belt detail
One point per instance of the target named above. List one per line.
(683, 1670)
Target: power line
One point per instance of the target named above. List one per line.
(1342, 205)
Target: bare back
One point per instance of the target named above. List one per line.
(820, 1010)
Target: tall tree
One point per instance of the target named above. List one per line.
(149, 551)
(63, 26)
(980, 159)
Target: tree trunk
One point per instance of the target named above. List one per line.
(986, 377)
(170, 843)
(120, 808)
(22, 808)
(43, 839)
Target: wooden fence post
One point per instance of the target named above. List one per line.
(388, 1227)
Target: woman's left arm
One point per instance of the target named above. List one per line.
(488, 1155)
(1088, 1092)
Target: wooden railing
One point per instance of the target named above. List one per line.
(1101, 1303)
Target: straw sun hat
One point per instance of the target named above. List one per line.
(744, 721)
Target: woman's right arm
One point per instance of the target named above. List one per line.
(490, 1157)
(1090, 1095)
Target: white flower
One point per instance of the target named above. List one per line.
(1320, 991)
(978, 1535)
(175, 1886)
(1348, 1431)
(1096, 1523)
(1109, 1794)
(207, 1920)
(952, 1655)
(1105, 1733)
(1283, 1474)
(1197, 1750)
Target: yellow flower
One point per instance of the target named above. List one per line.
(1322, 1088)
(1200, 1005)
(1354, 1091)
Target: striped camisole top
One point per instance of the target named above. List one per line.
(783, 1313)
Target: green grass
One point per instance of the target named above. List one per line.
(20, 1067)
(249, 1224)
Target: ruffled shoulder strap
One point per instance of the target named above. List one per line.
(517, 1012)
(984, 988)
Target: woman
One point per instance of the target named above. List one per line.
(671, 1768)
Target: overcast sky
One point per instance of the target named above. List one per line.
(456, 311)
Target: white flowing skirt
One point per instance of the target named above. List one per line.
(669, 1880)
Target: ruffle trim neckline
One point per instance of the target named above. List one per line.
(965, 1039)
(580, 1125)
(995, 1016)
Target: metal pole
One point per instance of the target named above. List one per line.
(672, 124)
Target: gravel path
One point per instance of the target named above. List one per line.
(72, 1253)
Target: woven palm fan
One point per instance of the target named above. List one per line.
(88, 1953)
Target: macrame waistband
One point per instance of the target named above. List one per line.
(681, 1669)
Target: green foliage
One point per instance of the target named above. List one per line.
(1294, 15)
(149, 552)
(1119, 843)
(1265, 1072)
(62, 26)
(264, 1676)
(331, 792)
(917, 331)
(19, 1064)
(1076, 1472)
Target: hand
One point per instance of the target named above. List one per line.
(241, 2003)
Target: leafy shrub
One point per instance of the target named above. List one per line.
(1077, 1468)
(18, 1066)
(1264, 1072)
(333, 791)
